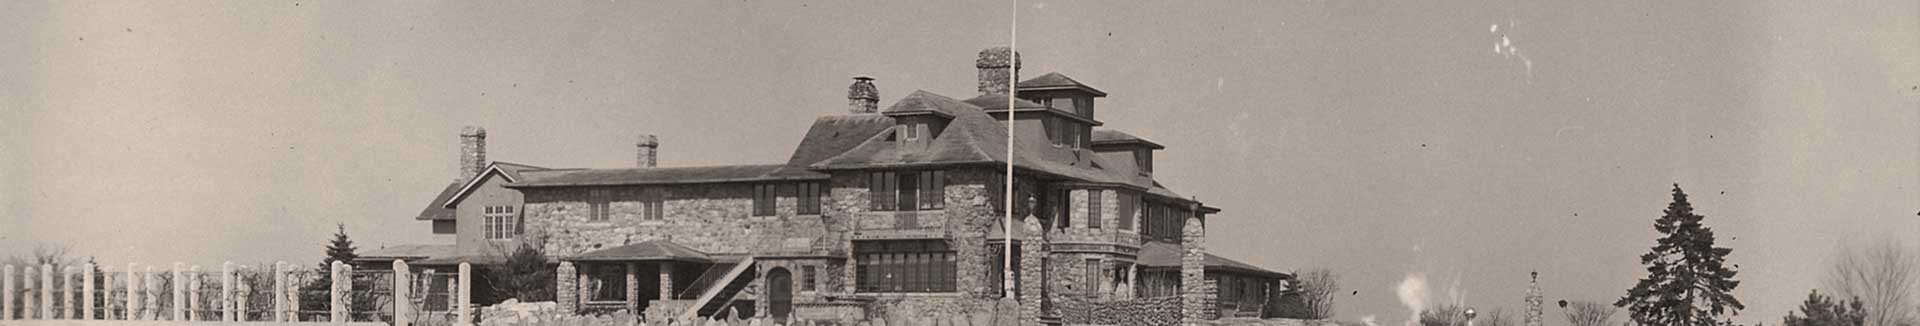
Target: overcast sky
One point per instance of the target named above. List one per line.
(1459, 143)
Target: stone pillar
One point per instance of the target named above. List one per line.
(1033, 255)
(346, 289)
(6, 298)
(666, 281)
(336, 302)
(564, 289)
(133, 293)
(86, 292)
(465, 305)
(1535, 298)
(46, 291)
(106, 289)
(293, 298)
(280, 292)
(152, 287)
(179, 292)
(402, 295)
(1193, 255)
(226, 292)
(633, 287)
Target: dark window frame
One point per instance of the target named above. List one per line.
(611, 281)
(905, 266)
(812, 198)
(1094, 218)
(766, 199)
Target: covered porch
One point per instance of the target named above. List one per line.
(656, 277)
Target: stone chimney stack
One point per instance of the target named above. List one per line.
(862, 96)
(473, 152)
(997, 65)
(646, 151)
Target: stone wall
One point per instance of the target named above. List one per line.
(1160, 311)
(714, 218)
(1196, 299)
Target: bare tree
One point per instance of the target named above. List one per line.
(1317, 287)
(1883, 277)
(1444, 315)
(1589, 313)
(1494, 317)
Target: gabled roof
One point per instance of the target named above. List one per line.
(1057, 81)
(510, 171)
(654, 250)
(437, 212)
(829, 136)
(1105, 136)
(647, 176)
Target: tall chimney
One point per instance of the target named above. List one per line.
(473, 152)
(997, 65)
(647, 151)
(862, 96)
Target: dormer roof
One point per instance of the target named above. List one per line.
(1055, 81)
(1110, 137)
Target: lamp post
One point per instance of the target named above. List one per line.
(1470, 313)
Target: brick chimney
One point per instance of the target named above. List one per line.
(473, 152)
(646, 151)
(862, 96)
(997, 65)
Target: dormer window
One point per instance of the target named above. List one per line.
(1144, 159)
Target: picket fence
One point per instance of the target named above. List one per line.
(134, 296)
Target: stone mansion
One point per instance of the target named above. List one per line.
(895, 209)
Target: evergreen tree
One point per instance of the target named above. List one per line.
(1688, 282)
(340, 249)
(1822, 311)
(314, 296)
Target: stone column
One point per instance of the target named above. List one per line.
(280, 291)
(6, 298)
(633, 287)
(1193, 255)
(1033, 255)
(336, 303)
(226, 292)
(402, 295)
(564, 290)
(46, 291)
(666, 281)
(465, 305)
(1534, 301)
(86, 292)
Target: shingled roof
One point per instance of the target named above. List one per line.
(829, 136)
(437, 212)
(646, 176)
(1057, 81)
(1105, 136)
(1161, 254)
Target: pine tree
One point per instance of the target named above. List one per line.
(1688, 282)
(314, 296)
(340, 249)
(1822, 311)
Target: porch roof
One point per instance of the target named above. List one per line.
(1160, 254)
(654, 250)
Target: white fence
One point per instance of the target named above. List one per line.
(94, 295)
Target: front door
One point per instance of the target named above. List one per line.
(780, 294)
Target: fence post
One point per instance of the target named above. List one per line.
(46, 291)
(280, 291)
(402, 294)
(293, 299)
(133, 294)
(179, 291)
(226, 291)
(72, 309)
(6, 299)
(193, 294)
(151, 285)
(346, 290)
(86, 292)
(334, 306)
(106, 289)
(466, 296)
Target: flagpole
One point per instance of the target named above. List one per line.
(1013, 41)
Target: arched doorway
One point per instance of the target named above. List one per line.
(779, 294)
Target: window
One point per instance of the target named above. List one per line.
(1059, 201)
(607, 283)
(764, 196)
(1127, 203)
(933, 189)
(1143, 158)
(1093, 278)
(808, 274)
(597, 204)
(651, 209)
(997, 272)
(812, 197)
(1094, 217)
(910, 190)
(896, 266)
(500, 222)
(880, 190)
(912, 130)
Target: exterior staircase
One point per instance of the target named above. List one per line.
(718, 290)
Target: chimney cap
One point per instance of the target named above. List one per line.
(863, 89)
(647, 140)
(863, 77)
(473, 131)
